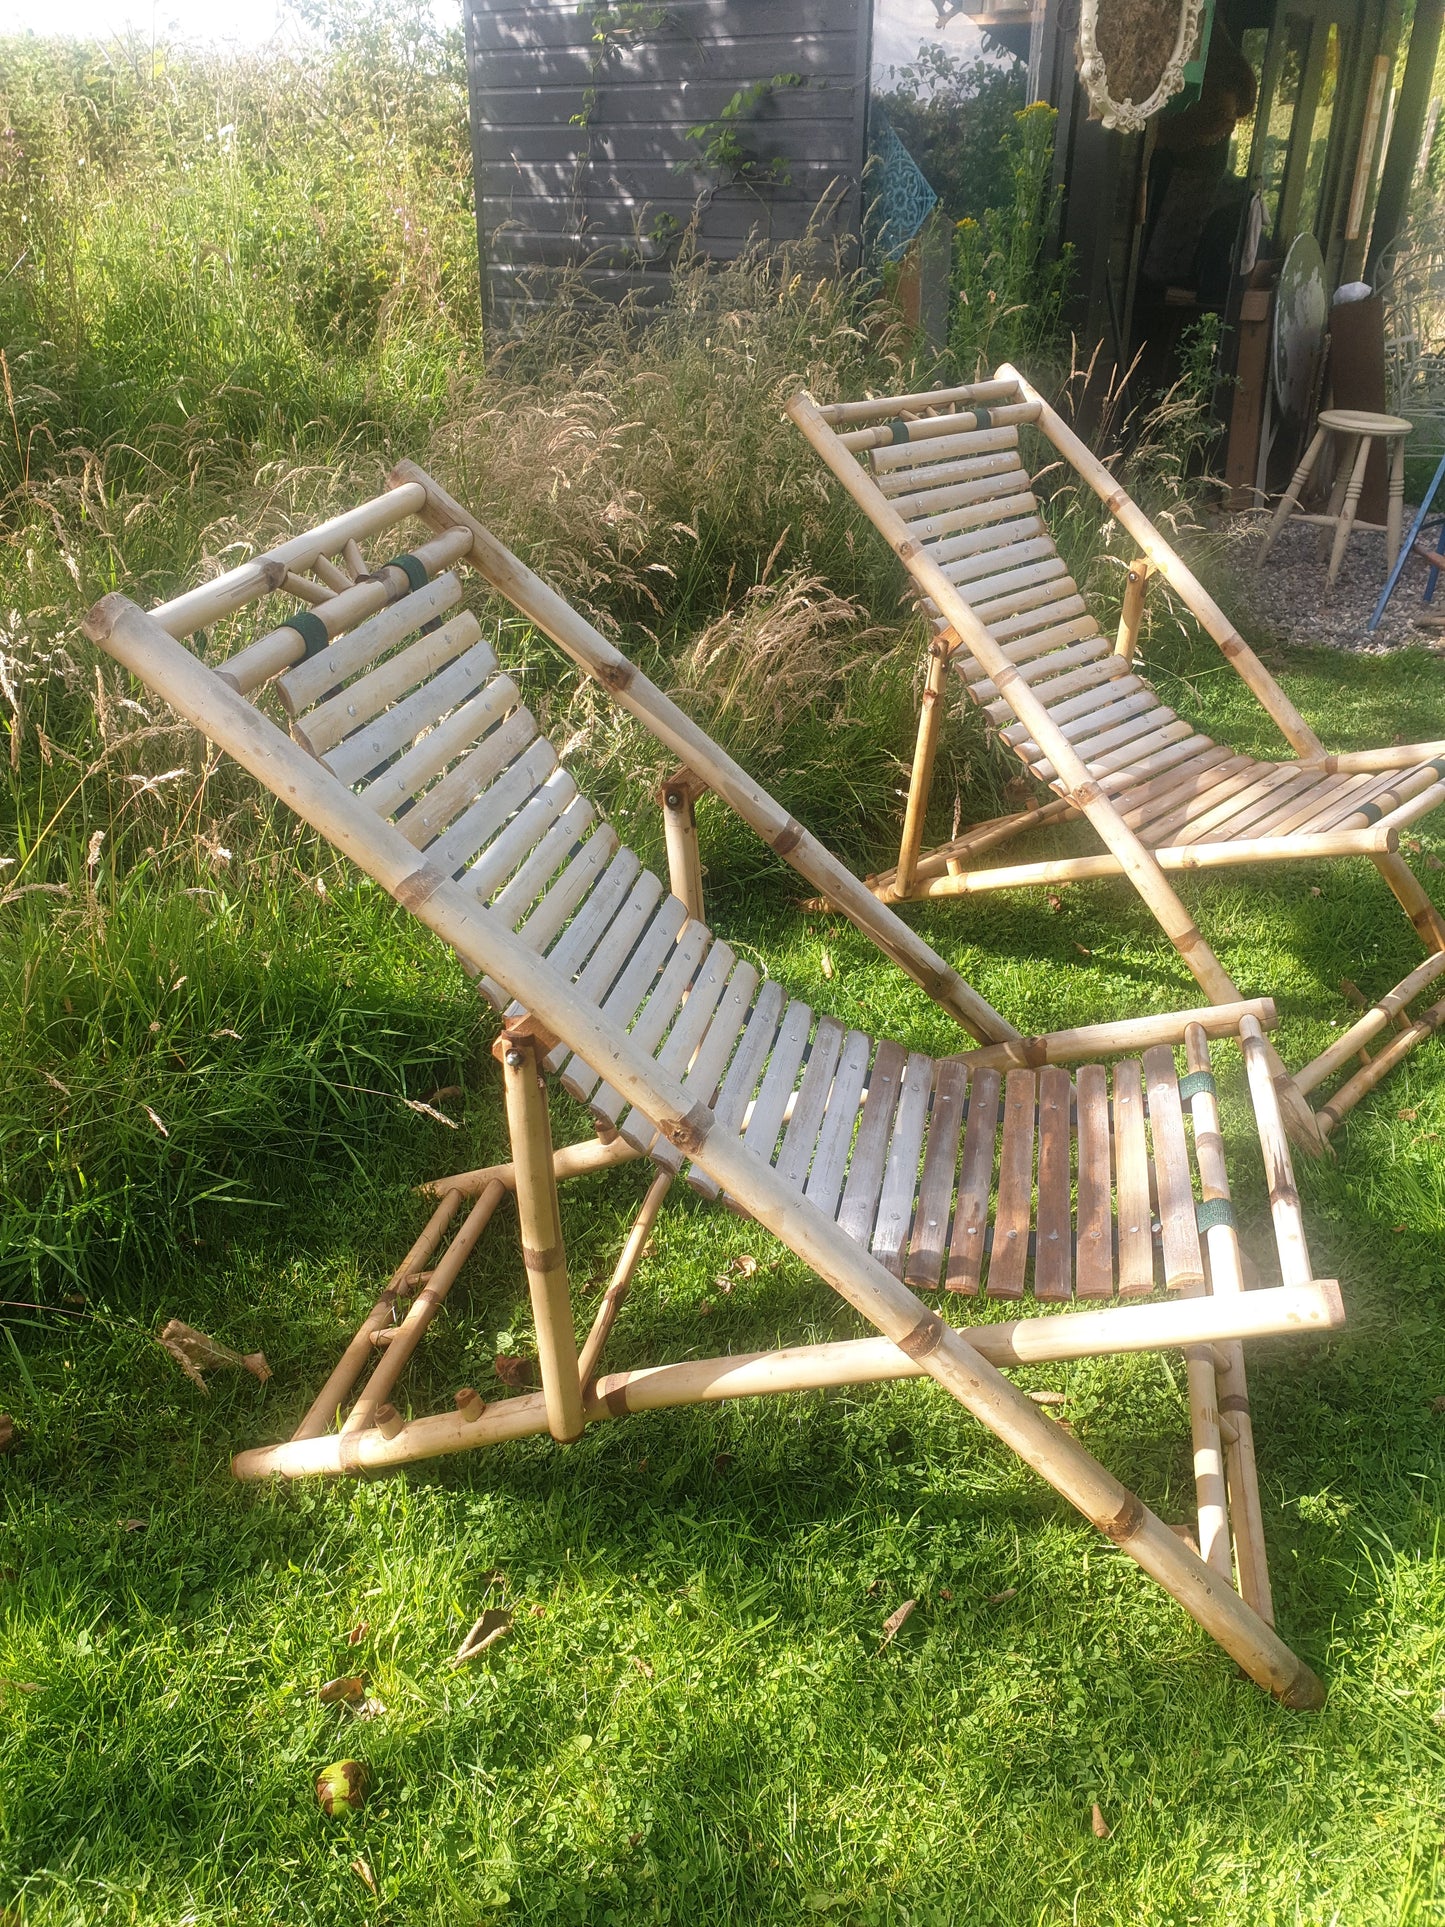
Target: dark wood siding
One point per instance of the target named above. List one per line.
(580, 145)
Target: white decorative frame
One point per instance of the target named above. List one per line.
(1124, 114)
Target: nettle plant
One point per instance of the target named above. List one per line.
(723, 151)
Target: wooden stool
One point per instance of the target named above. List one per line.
(1361, 428)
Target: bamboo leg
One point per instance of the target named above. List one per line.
(572, 1161)
(983, 836)
(354, 1360)
(1412, 899)
(1290, 499)
(1379, 1067)
(1226, 1280)
(1208, 1464)
(541, 1227)
(1391, 1008)
(678, 797)
(621, 1281)
(930, 721)
(1350, 509)
(1136, 588)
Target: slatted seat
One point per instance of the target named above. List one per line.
(942, 475)
(1000, 1172)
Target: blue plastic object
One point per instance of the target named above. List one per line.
(1407, 549)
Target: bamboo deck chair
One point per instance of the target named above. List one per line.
(885, 1170)
(941, 476)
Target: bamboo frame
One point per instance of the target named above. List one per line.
(1098, 724)
(678, 797)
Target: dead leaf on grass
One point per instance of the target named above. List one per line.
(827, 966)
(1101, 1827)
(358, 1633)
(363, 1873)
(1432, 862)
(134, 1525)
(493, 1625)
(1409, 1116)
(7, 1431)
(1438, 1404)
(1002, 1598)
(895, 1621)
(642, 1667)
(1047, 1398)
(192, 1349)
(1352, 993)
(1055, 901)
(515, 1372)
(345, 1691)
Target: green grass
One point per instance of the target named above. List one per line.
(211, 1034)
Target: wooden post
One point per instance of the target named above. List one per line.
(930, 721)
(1136, 588)
(678, 797)
(540, 1221)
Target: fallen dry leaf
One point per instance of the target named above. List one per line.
(1055, 901)
(895, 1620)
(1102, 1829)
(344, 1691)
(945, 1592)
(1352, 994)
(827, 966)
(21, 1686)
(1047, 1398)
(1083, 950)
(493, 1625)
(1002, 1598)
(1438, 1404)
(536, 1612)
(7, 1431)
(358, 1633)
(1315, 891)
(371, 1709)
(192, 1349)
(363, 1872)
(1432, 862)
(342, 1787)
(642, 1667)
(515, 1372)
(134, 1525)
(745, 1264)
(1409, 1116)
(1412, 844)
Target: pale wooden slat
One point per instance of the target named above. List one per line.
(614, 948)
(388, 734)
(951, 548)
(308, 681)
(738, 1086)
(1013, 1213)
(432, 811)
(475, 828)
(1222, 819)
(830, 1160)
(1131, 1177)
(779, 1081)
(688, 1032)
(589, 923)
(913, 457)
(321, 728)
(946, 511)
(1054, 1250)
(554, 823)
(975, 1179)
(661, 1007)
(735, 1013)
(427, 758)
(625, 998)
(801, 1137)
(561, 849)
(900, 1173)
(580, 879)
(1094, 1250)
(1014, 585)
(928, 1236)
(875, 1126)
(1179, 1225)
(1071, 693)
(974, 576)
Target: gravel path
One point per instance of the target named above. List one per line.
(1288, 595)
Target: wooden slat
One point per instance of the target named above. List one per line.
(975, 576)
(561, 837)
(975, 1179)
(928, 1237)
(308, 681)
(522, 838)
(1054, 1251)
(1094, 1251)
(1183, 1264)
(589, 922)
(918, 457)
(477, 825)
(626, 996)
(1214, 823)
(900, 1173)
(430, 814)
(658, 1012)
(1013, 1213)
(616, 945)
(1131, 1176)
(779, 1081)
(389, 734)
(709, 993)
(734, 1015)
(581, 876)
(739, 1083)
(427, 758)
(561, 845)
(875, 1127)
(825, 1180)
(801, 1136)
(950, 548)
(321, 728)
(938, 510)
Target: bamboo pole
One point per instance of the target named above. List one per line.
(1117, 1037)
(199, 608)
(678, 797)
(1298, 848)
(321, 1413)
(1136, 588)
(1180, 1322)
(1375, 1019)
(1366, 762)
(540, 1222)
(1191, 592)
(889, 407)
(1379, 1067)
(920, 782)
(424, 1307)
(1227, 1379)
(1284, 1205)
(572, 1161)
(483, 941)
(620, 1282)
(641, 698)
(983, 836)
(931, 427)
(1429, 924)
(1075, 780)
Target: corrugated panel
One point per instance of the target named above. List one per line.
(580, 143)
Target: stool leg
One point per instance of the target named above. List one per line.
(1395, 514)
(1290, 499)
(1350, 510)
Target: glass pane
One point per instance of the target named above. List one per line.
(1279, 125)
(1253, 44)
(1309, 206)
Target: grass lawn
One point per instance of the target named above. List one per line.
(693, 1718)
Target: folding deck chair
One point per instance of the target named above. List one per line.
(941, 476)
(885, 1170)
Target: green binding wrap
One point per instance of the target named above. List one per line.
(312, 631)
(1212, 1213)
(1194, 1084)
(412, 567)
